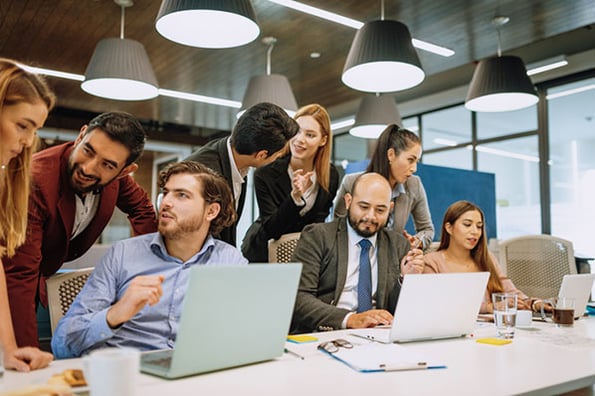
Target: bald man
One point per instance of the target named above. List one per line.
(334, 293)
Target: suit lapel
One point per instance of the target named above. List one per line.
(342, 258)
(382, 265)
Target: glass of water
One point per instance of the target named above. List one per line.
(505, 307)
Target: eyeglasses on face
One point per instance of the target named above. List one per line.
(334, 345)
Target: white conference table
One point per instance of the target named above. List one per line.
(541, 360)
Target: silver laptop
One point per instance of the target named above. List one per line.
(232, 316)
(577, 286)
(434, 306)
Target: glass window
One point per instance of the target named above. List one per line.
(571, 109)
(411, 124)
(349, 148)
(456, 158)
(515, 162)
(491, 125)
(447, 127)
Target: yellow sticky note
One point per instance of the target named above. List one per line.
(493, 341)
(301, 338)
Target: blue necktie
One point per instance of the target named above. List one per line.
(364, 284)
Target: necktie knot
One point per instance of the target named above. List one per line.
(365, 244)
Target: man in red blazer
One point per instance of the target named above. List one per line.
(76, 187)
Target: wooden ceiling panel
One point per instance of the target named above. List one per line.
(62, 34)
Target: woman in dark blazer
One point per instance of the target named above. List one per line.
(298, 188)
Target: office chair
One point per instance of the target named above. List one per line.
(62, 289)
(536, 264)
(281, 250)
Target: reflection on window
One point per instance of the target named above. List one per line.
(491, 125)
(515, 162)
(447, 127)
(459, 158)
(571, 109)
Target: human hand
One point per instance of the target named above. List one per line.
(26, 359)
(413, 262)
(371, 318)
(143, 290)
(300, 183)
(414, 241)
(523, 304)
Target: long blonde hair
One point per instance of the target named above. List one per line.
(18, 86)
(322, 158)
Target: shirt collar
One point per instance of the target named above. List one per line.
(236, 175)
(158, 248)
(398, 190)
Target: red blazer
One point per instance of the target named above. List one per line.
(50, 222)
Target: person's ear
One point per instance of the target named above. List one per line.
(391, 155)
(128, 169)
(323, 141)
(261, 155)
(213, 210)
(448, 228)
(79, 138)
(391, 206)
(348, 198)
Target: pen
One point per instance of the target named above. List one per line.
(297, 355)
(404, 366)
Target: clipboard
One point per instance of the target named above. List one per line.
(376, 357)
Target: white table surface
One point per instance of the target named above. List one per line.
(540, 360)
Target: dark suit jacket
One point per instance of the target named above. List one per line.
(323, 250)
(214, 155)
(50, 221)
(278, 213)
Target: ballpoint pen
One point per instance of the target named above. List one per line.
(404, 366)
(297, 355)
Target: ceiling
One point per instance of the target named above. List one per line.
(61, 34)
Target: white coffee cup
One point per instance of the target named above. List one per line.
(524, 318)
(112, 371)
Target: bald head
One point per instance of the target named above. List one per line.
(369, 204)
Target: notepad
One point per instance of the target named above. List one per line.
(376, 357)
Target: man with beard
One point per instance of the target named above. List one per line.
(351, 276)
(134, 296)
(76, 187)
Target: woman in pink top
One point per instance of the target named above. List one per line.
(463, 248)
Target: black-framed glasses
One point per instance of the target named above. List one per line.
(334, 345)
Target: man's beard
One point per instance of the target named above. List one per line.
(72, 168)
(363, 232)
(186, 226)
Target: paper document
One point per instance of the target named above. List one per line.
(375, 357)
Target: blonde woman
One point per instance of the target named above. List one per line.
(298, 188)
(25, 101)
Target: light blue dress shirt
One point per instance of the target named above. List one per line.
(84, 327)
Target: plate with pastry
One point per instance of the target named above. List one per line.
(74, 378)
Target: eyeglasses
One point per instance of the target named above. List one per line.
(334, 345)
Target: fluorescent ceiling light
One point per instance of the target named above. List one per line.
(53, 73)
(546, 64)
(445, 142)
(342, 124)
(163, 92)
(509, 154)
(570, 92)
(355, 24)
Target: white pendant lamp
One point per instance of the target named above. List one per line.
(207, 23)
(272, 88)
(120, 68)
(375, 112)
(382, 58)
(500, 83)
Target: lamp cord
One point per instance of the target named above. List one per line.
(269, 50)
(382, 10)
(499, 45)
(122, 23)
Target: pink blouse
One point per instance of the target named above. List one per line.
(435, 263)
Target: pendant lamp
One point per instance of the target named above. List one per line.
(120, 68)
(500, 83)
(272, 88)
(375, 112)
(382, 58)
(207, 23)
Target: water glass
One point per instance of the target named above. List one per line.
(505, 309)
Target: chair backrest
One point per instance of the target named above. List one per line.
(281, 250)
(62, 289)
(536, 264)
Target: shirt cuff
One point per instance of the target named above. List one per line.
(298, 202)
(344, 322)
(99, 329)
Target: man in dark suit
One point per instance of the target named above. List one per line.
(258, 138)
(76, 187)
(329, 296)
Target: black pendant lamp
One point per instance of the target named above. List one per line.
(500, 83)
